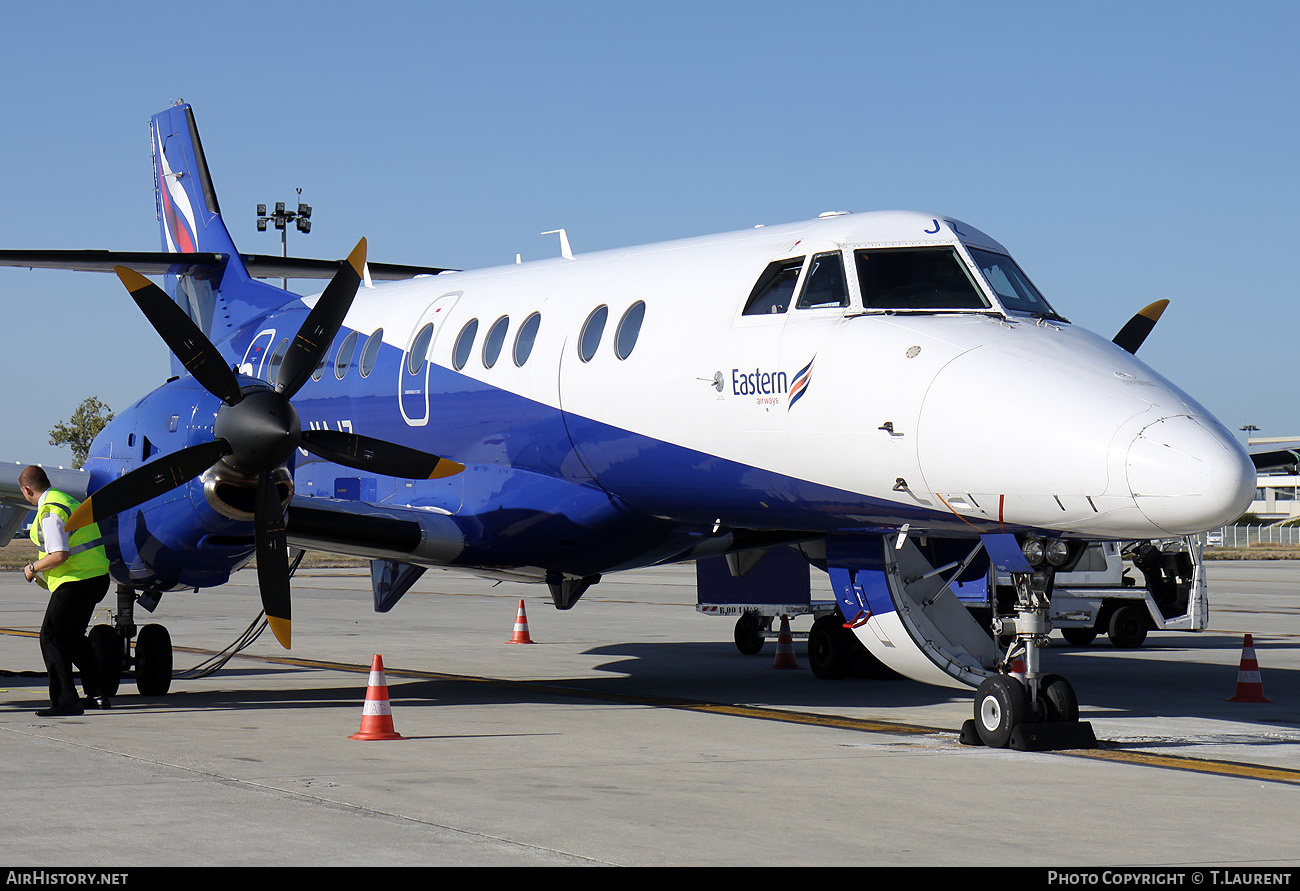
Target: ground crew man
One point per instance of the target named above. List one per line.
(76, 572)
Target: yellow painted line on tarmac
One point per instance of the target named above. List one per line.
(1196, 765)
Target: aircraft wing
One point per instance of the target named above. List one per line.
(14, 509)
(163, 263)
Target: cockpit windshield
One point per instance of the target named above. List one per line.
(916, 279)
(1013, 288)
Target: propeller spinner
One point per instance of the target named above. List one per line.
(257, 429)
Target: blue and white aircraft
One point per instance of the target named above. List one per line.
(881, 391)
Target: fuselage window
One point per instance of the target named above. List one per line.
(824, 285)
(344, 358)
(525, 338)
(320, 368)
(370, 352)
(464, 344)
(496, 337)
(629, 328)
(419, 350)
(916, 278)
(273, 364)
(1012, 286)
(775, 288)
(592, 329)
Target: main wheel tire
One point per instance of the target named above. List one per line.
(153, 660)
(1079, 637)
(827, 650)
(749, 633)
(1058, 698)
(1128, 626)
(1001, 704)
(862, 663)
(107, 647)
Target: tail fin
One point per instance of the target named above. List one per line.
(190, 220)
(188, 212)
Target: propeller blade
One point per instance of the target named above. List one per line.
(322, 323)
(1131, 336)
(195, 351)
(147, 481)
(377, 455)
(273, 558)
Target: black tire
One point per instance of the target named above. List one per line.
(153, 660)
(749, 633)
(1129, 625)
(862, 663)
(106, 644)
(1058, 699)
(827, 648)
(1079, 637)
(1001, 704)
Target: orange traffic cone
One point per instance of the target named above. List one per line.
(1250, 686)
(377, 716)
(521, 627)
(785, 647)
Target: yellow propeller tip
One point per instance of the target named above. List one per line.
(446, 468)
(357, 259)
(281, 628)
(82, 516)
(133, 280)
(1155, 310)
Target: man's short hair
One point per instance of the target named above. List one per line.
(34, 478)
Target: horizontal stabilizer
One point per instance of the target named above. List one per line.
(166, 263)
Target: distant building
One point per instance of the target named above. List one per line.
(1277, 496)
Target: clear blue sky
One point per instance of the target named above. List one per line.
(1124, 152)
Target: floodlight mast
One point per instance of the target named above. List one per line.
(281, 218)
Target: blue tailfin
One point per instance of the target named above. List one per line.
(218, 301)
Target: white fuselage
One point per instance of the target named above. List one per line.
(984, 416)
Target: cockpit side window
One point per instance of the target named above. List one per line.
(916, 279)
(775, 288)
(1012, 286)
(824, 286)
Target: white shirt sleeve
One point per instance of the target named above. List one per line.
(56, 538)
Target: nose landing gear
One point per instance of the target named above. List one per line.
(151, 656)
(1020, 707)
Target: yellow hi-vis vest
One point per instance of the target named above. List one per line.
(87, 558)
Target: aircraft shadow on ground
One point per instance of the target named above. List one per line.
(1110, 683)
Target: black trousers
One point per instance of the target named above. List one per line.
(63, 638)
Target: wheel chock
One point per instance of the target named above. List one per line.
(1038, 737)
(1053, 736)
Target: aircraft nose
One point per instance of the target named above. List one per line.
(1186, 478)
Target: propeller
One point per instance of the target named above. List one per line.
(256, 429)
(1135, 331)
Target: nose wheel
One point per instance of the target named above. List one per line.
(1028, 711)
(150, 657)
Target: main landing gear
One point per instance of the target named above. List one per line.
(150, 659)
(1020, 707)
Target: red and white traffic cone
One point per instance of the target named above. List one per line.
(785, 647)
(1250, 686)
(521, 627)
(377, 715)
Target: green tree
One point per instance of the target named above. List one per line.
(79, 431)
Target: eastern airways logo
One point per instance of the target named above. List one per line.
(769, 386)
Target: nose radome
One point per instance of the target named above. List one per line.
(1186, 478)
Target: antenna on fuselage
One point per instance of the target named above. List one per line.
(565, 251)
